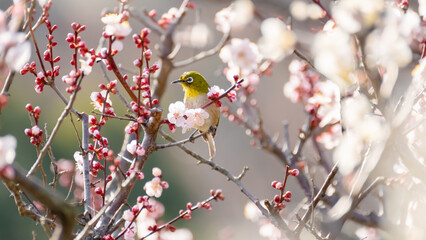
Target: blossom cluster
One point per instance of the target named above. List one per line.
(154, 188)
(15, 50)
(321, 100)
(185, 118)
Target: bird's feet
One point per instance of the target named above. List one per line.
(191, 137)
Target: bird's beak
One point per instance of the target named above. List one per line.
(178, 81)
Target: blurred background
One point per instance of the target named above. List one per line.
(188, 181)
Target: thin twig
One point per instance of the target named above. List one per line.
(317, 198)
(147, 21)
(8, 83)
(204, 54)
(275, 220)
(55, 130)
(172, 144)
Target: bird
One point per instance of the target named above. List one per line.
(196, 88)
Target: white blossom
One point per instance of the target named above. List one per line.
(353, 15)
(78, 157)
(334, 54)
(84, 64)
(153, 187)
(178, 234)
(234, 17)
(268, 230)
(301, 11)
(98, 100)
(15, 50)
(252, 212)
(390, 43)
(241, 53)
(156, 172)
(115, 26)
(176, 113)
(7, 150)
(276, 41)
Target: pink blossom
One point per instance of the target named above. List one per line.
(214, 92)
(196, 116)
(331, 137)
(128, 215)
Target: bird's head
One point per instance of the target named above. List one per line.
(193, 84)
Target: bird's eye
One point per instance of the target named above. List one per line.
(189, 80)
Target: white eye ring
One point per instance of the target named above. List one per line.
(189, 80)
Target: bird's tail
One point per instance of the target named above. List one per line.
(210, 142)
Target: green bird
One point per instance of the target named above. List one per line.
(196, 88)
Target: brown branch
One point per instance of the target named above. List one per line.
(52, 201)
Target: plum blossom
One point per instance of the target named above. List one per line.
(156, 210)
(214, 92)
(143, 222)
(86, 64)
(116, 26)
(234, 17)
(15, 50)
(354, 15)
(334, 55)
(330, 138)
(327, 98)
(268, 230)
(167, 18)
(156, 172)
(242, 54)
(78, 157)
(363, 130)
(130, 233)
(302, 83)
(7, 150)
(197, 116)
(135, 148)
(301, 11)
(176, 113)
(148, 217)
(98, 99)
(277, 40)
(389, 44)
(186, 118)
(178, 234)
(251, 212)
(128, 215)
(154, 187)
